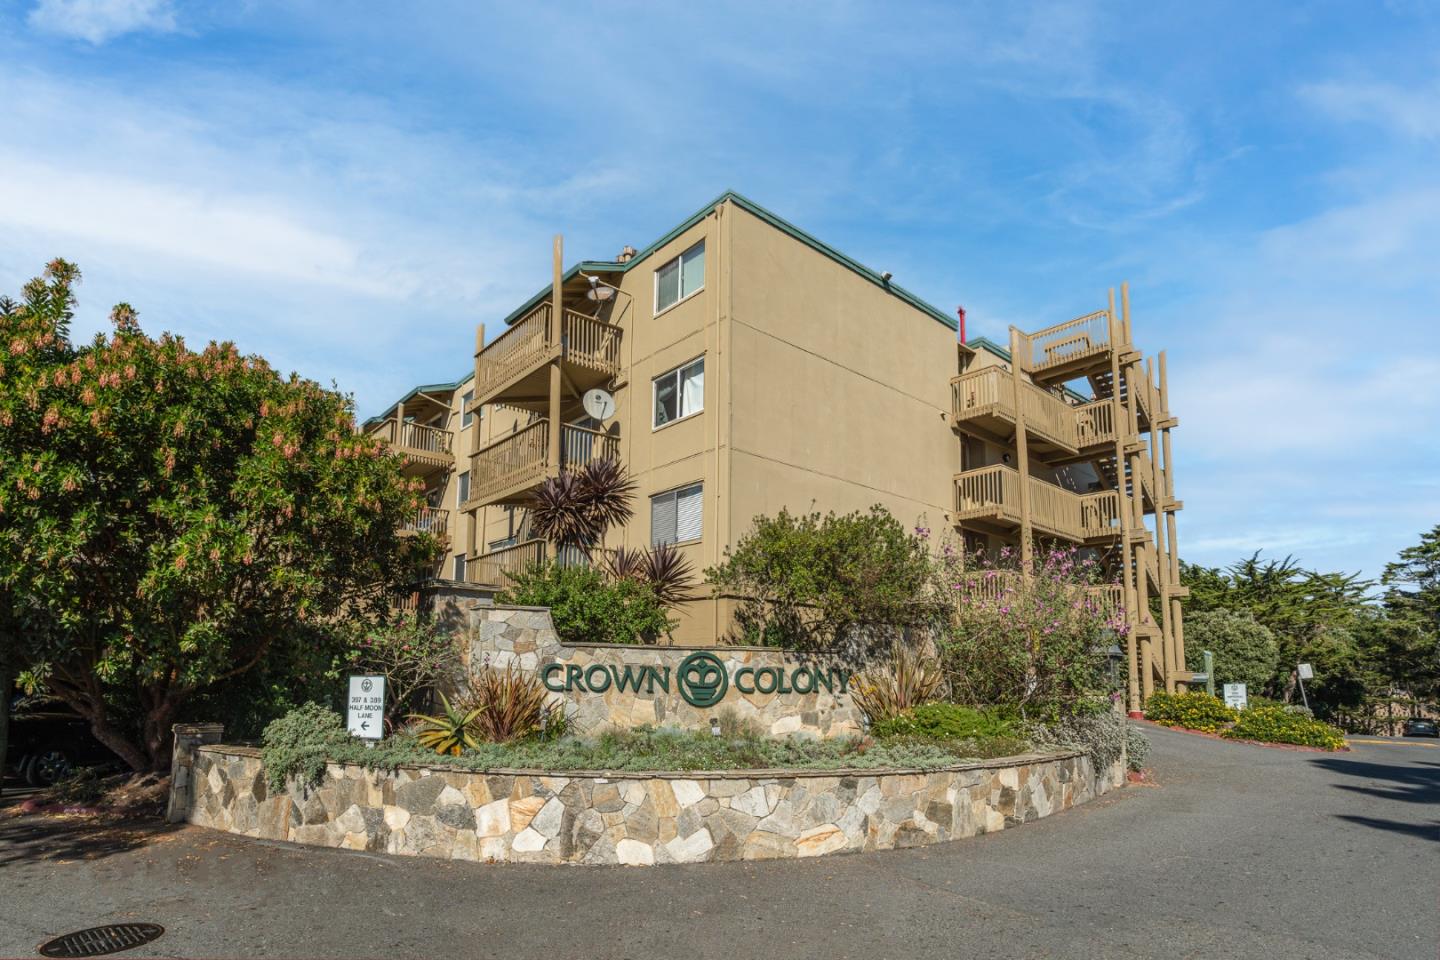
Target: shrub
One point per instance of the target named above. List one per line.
(505, 706)
(1102, 733)
(1278, 725)
(1034, 641)
(1193, 711)
(1137, 747)
(945, 721)
(817, 582)
(907, 680)
(1245, 650)
(414, 655)
(662, 568)
(640, 749)
(586, 608)
(300, 742)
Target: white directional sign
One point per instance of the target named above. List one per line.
(1306, 671)
(1236, 696)
(365, 717)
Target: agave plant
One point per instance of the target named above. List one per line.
(662, 568)
(907, 679)
(448, 731)
(575, 509)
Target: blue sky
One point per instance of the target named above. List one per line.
(348, 189)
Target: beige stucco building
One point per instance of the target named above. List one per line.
(754, 367)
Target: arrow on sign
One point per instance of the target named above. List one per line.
(365, 725)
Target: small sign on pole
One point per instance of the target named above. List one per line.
(1236, 696)
(365, 717)
(1306, 671)
(1303, 672)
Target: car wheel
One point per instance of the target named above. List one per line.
(48, 768)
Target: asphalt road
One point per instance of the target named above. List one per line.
(1239, 851)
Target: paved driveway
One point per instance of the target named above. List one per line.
(1241, 852)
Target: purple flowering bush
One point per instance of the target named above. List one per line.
(1035, 642)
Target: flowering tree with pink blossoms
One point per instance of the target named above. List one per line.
(1034, 638)
(170, 518)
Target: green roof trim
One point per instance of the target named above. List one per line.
(423, 388)
(751, 207)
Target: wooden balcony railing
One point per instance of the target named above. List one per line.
(516, 461)
(1094, 424)
(994, 493)
(429, 447)
(433, 520)
(990, 392)
(534, 340)
(991, 585)
(1066, 342)
(498, 566)
(521, 460)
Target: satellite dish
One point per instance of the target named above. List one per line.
(599, 404)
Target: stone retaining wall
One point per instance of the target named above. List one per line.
(634, 818)
(526, 638)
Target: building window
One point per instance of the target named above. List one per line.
(675, 516)
(680, 277)
(459, 571)
(466, 417)
(501, 544)
(679, 393)
(462, 488)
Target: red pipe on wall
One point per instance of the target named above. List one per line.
(960, 312)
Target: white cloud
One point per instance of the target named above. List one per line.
(1412, 111)
(100, 20)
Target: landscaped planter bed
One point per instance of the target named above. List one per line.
(628, 818)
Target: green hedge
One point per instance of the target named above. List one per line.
(1193, 711)
(944, 721)
(1278, 725)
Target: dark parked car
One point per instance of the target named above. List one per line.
(1420, 727)
(49, 741)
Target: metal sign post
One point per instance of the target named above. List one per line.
(365, 713)
(1304, 672)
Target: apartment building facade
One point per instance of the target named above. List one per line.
(754, 368)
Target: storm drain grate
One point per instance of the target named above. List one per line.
(98, 941)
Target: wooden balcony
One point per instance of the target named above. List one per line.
(1067, 349)
(507, 470)
(432, 520)
(426, 449)
(992, 495)
(991, 585)
(497, 567)
(512, 368)
(984, 400)
(1094, 424)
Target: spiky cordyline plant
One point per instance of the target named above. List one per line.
(662, 568)
(907, 680)
(575, 509)
(505, 705)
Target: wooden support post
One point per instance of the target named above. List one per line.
(1132, 638)
(557, 308)
(1022, 456)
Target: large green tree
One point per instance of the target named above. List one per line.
(170, 518)
(1311, 614)
(1245, 650)
(1407, 646)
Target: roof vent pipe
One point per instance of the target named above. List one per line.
(626, 254)
(960, 312)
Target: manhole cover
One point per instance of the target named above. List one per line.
(98, 941)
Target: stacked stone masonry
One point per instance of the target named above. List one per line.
(635, 818)
(525, 638)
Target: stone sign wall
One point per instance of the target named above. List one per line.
(633, 818)
(620, 685)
